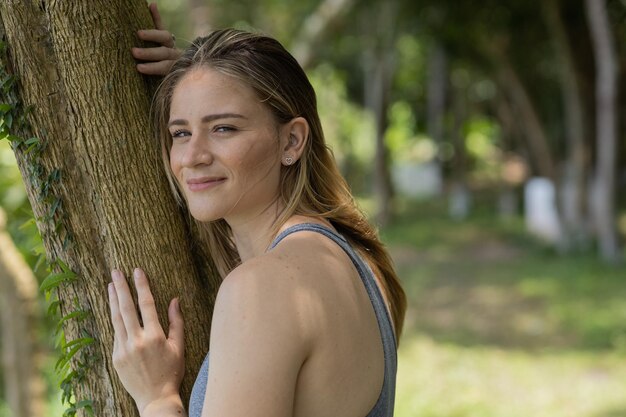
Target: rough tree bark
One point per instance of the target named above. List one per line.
(95, 180)
(20, 317)
(606, 129)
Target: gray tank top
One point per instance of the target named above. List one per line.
(385, 403)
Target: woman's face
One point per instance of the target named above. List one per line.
(225, 147)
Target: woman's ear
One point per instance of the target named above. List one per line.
(295, 135)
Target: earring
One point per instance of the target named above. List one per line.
(288, 160)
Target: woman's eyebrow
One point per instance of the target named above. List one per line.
(208, 118)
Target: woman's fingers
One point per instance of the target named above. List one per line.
(177, 328)
(155, 68)
(159, 53)
(126, 305)
(116, 317)
(146, 303)
(158, 60)
(156, 16)
(159, 36)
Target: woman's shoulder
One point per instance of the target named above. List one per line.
(277, 282)
(258, 311)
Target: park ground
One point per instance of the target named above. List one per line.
(500, 325)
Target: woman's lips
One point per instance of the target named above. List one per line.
(199, 184)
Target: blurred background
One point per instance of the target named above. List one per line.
(486, 140)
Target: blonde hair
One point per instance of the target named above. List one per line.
(313, 185)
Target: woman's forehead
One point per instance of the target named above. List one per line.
(206, 90)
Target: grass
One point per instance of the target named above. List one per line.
(501, 325)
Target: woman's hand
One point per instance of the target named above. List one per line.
(149, 363)
(158, 60)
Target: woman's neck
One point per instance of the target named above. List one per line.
(254, 233)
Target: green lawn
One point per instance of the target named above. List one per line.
(500, 325)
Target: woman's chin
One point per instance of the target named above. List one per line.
(204, 216)
(206, 219)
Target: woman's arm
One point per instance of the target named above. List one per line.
(259, 341)
(157, 60)
(149, 363)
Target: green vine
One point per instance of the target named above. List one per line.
(75, 357)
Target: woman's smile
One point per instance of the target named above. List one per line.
(204, 183)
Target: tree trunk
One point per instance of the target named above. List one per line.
(606, 129)
(534, 131)
(437, 85)
(573, 184)
(459, 197)
(316, 27)
(378, 67)
(21, 353)
(94, 178)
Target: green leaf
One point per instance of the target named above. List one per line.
(5, 107)
(55, 206)
(41, 259)
(55, 175)
(59, 340)
(32, 147)
(53, 307)
(65, 359)
(80, 342)
(27, 223)
(61, 364)
(64, 266)
(78, 315)
(87, 404)
(54, 280)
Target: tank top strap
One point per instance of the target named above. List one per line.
(364, 270)
(384, 406)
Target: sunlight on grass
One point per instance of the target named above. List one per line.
(500, 325)
(444, 380)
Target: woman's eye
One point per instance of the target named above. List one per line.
(180, 133)
(224, 129)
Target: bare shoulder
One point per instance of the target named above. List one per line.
(261, 287)
(264, 297)
(259, 339)
(279, 286)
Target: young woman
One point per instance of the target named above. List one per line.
(309, 311)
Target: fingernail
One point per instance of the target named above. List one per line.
(111, 286)
(136, 273)
(115, 275)
(139, 32)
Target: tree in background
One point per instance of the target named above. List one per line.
(606, 129)
(22, 359)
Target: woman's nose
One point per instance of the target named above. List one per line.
(197, 152)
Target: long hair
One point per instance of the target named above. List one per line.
(313, 185)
